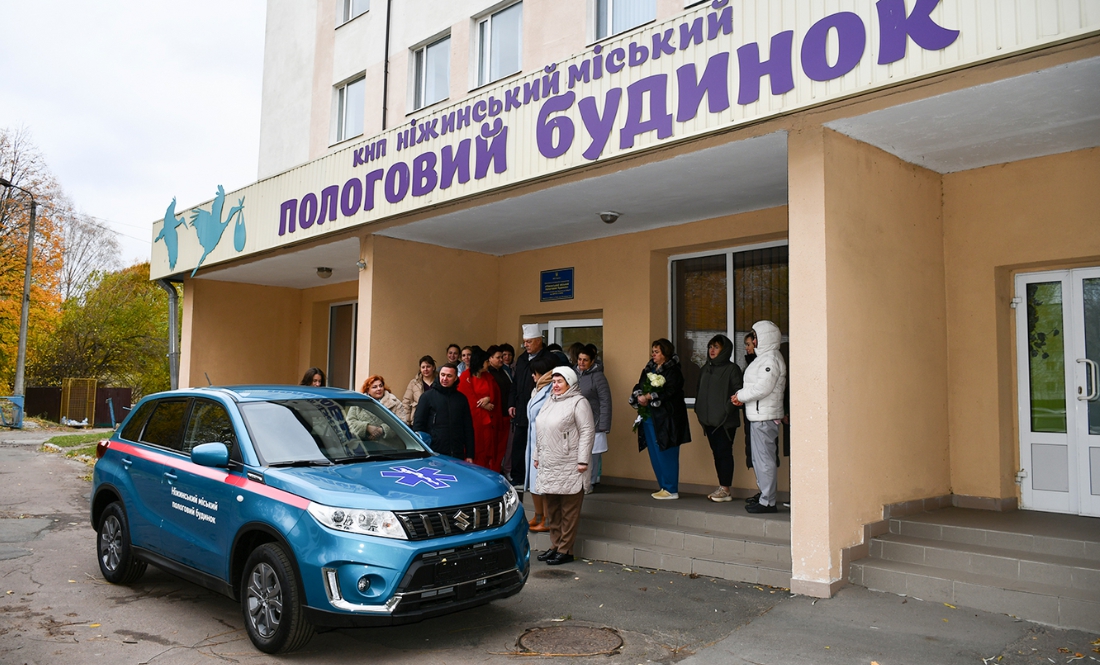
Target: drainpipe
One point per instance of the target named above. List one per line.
(173, 334)
(386, 65)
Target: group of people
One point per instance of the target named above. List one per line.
(543, 420)
(724, 393)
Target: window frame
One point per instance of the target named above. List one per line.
(728, 252)
(341, 108)
(419, 78)
(597, 37)
(484, 43)
(344, 12)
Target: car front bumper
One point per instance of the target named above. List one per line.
(352, 580)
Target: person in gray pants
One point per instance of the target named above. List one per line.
(762, 396)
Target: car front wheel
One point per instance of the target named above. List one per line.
(271, 603)
(116, 558)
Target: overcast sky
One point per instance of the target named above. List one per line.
(132, 103)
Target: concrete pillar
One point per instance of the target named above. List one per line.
(812, 552)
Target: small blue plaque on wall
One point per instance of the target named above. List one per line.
(556, 285)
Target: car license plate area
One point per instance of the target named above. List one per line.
(441, 568)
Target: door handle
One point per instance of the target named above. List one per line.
(127, 462)
(1093, 373)
(170, 476)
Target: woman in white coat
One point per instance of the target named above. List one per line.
(564, 433)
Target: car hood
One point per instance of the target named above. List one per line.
(416, 484)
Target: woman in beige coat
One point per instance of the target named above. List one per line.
(564, 433)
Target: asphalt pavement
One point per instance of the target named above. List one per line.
(56, 608)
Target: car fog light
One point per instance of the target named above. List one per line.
(364, 584)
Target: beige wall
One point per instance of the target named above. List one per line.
(415, 299)
(1037, 214)
(245, 333)
(868, 325)
(238, 333)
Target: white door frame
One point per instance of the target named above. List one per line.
(552, 326)
(1077, 497)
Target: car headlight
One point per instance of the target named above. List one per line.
(511, 503)
(354, 520)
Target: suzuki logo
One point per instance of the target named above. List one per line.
(461, 520)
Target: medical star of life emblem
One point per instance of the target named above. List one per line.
(413, 477)
(461, 520)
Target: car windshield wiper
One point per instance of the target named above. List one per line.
(301, 462)
(403, 454)
(351, 459)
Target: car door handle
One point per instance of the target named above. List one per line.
(170, 476)
(127, 462)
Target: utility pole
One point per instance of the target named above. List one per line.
(21, 358)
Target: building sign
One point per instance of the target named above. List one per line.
(719, 65)
(556, 285)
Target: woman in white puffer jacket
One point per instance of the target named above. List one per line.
(762, 395)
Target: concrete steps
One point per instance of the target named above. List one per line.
(692, 536)
(992, 562)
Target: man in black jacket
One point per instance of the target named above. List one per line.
(522, 385)
(444, 413)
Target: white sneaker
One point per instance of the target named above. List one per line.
(665, 495)
(719, 495)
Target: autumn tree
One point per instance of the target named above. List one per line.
(116, 331)
(23, 165)
(87, 247)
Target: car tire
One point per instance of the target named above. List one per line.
(271, 602)
(113, 549)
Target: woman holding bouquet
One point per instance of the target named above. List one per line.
(662, 422)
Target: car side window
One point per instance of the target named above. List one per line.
(210, 423)
(132, 431)
(165, 426)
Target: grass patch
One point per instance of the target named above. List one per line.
(74, 440)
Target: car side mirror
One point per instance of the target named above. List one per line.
(211, 454)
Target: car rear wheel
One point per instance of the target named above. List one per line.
(116, 557)
(271, 603)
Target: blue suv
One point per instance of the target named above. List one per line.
(311, 506)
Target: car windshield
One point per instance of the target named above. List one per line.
(323, 431)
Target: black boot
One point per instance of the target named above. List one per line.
(548, 554)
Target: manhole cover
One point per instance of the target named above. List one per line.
(570, 641)
(551, 573)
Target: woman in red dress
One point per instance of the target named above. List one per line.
(483, 394)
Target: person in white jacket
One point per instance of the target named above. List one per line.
(762, 396)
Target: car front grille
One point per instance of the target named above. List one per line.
(456, 574)
(425, 524)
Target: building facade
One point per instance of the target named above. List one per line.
(906, 187)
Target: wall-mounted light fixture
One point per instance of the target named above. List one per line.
(324, 273)
(609, 216)
(361, 264)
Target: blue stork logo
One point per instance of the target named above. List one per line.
(425, 474)
(208, 226)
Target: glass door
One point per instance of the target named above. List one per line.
(1058, 346)
(568, 332)
(1085, 285)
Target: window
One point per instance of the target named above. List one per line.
(166, 425)
(351, 107)
(725, 293)
(351, 8)
(500, 42)
(209, 424)
(615, 16)
(132, 431)
(433, 73)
